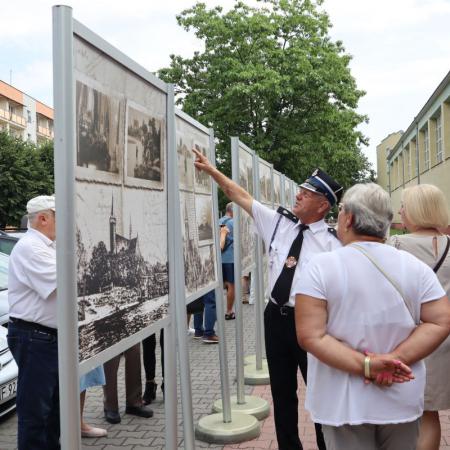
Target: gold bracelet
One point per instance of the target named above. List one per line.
(367, 366)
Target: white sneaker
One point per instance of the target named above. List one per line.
(190, 331)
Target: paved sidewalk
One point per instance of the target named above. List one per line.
(135, 433)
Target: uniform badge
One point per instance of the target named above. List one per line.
(291, 262)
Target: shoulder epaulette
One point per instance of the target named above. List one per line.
(286, 213)
(333, 231)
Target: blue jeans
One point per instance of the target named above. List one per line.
(36, 355)
(209, 300)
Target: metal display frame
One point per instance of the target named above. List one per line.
(64, 30)
(214, 201)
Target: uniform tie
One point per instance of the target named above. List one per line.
(282, 287)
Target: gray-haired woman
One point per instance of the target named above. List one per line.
(359, 311)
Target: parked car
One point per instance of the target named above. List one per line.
(8, 376)
(8, 367)
(4, 307)
(8, 241)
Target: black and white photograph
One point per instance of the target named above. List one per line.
(276, 188)
(202, 179)
(144, 159)
(246, 170)
(203, 211)
(185, 162)
(287, 194)
(199, 267)
(265, 182)
(122, 265)
(100, 118)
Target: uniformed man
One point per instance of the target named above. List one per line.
(291, 239)
(32, 329)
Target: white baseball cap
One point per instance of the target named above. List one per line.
(41, 203)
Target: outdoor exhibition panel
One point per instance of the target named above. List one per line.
(198, 227)
(121, 198)
(112, 122)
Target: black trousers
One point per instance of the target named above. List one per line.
(284, 358)
(149, 357)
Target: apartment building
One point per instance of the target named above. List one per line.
(422, 153)
(23, 116)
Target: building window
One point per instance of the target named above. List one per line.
(439, 147)
(408, 165)
(426, 146)
(29, 115)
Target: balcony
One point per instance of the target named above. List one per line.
(15, 118)
(47, 132)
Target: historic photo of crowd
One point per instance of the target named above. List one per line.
(122, 276)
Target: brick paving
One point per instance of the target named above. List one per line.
(135, 433)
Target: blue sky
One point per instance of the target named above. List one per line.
(400, 48)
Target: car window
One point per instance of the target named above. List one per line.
(7, 244)
(4, 259)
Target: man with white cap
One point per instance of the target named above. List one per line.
(291, 239)
(32, 329)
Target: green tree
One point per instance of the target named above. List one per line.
(25, 171)
(272, 76)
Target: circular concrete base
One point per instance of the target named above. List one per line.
(251, 359)
(255, 406)
(214, 430)
(253, 376)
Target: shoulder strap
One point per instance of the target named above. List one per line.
(274, 232)
(439, 264)
(332, 231)
(396, 286)
(286, 213)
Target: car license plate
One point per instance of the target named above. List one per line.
(8, 390)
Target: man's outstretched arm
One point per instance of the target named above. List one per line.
(231, 189)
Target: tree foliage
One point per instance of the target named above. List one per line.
(272, 76)
(25, 171)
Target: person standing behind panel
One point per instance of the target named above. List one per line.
(228, 259)
(424, 212)
(283, 234)
(32, 328)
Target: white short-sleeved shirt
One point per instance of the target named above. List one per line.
(32, 279)
(366, 312)
(316, 239)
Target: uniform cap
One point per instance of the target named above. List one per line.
(41, 203)
(322, 183)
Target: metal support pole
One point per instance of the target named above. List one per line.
(170, 333)
(64, 151)
(237, 278)
(259, 294)
(223, 361)
(176, 254)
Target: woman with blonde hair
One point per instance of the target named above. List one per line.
(425, 215)
(362, 312)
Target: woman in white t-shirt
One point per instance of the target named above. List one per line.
(358, 311)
